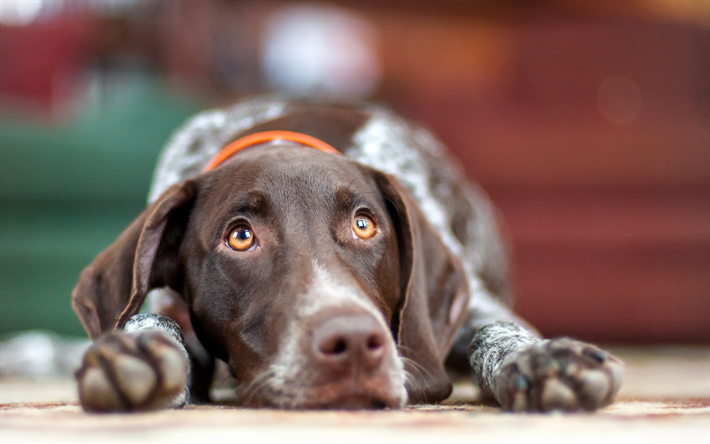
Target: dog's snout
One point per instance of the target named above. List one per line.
(350, 342)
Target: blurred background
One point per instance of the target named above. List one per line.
(587, 122)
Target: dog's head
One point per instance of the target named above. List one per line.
(317, 279)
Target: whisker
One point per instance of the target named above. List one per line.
(295, 400)
(421, 371)
(415, 373)
(409, 379)
(256, 384)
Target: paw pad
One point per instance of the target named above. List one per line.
(560, 374)
(125, 372)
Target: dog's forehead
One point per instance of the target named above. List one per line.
(285, 175)
(287, 162)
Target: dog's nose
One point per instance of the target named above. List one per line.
(350, 342)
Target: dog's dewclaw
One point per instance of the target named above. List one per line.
(125, 372)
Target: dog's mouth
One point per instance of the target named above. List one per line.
(327, 398)
(335, 361)
(356, 401)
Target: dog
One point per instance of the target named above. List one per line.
(334, 257)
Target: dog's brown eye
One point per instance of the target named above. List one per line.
(363, 227)
(241, 238)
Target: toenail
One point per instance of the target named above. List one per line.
(522, 383)
(597, 355)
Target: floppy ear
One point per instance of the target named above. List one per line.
(145, 255)
(433, 299)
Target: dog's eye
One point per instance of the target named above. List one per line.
(241, 238)
(363, 227)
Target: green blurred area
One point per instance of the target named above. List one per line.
(67, 192)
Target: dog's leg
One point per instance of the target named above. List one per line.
(167, 302)
(144, 367)
(525, 373)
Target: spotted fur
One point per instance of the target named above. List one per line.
(460, 212)
(196, 142)
(145, 321)
(491, 345)
(152, 321)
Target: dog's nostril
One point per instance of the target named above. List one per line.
(340, 347)
(349, 341)
(333, 346)
(374, 342)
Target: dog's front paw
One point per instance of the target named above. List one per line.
(131, 372)
(558, 374)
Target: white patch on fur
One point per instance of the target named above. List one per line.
(138, 324)
(325, 292)
(196, 142)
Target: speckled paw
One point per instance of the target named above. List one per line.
(558, 374)
(125, 372)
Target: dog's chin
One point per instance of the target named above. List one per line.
(352, 401)
(329, 399)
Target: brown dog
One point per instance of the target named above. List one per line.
(322, 280)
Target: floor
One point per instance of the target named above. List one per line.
(665, 399)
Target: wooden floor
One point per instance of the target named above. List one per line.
(665, 399)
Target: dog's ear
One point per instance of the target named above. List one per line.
(433, 299)
(145, 255)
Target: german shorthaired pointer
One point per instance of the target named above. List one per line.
(322, 280)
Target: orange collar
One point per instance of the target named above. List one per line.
(267, 136)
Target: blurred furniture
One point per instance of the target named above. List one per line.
(66, 193)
